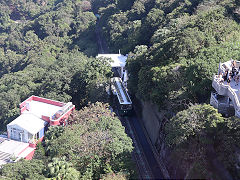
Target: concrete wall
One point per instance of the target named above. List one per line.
(18, 129)
(152, 119)
(154, 122)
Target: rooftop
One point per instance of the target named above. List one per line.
(29, 122)
(121, 91)
(32, 110)
(9, 148)
(40, 109)
(119, 60)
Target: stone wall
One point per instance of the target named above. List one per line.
(154, 121)
(151, 119)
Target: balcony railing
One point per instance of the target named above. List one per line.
(214, 101)
(64, 110)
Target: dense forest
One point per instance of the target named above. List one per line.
(47, 49)
(174, 48)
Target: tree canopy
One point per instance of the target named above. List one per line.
(93, 145)
(47, 48)
(197, 133)
(174, 48)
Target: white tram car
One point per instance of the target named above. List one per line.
(123, 99)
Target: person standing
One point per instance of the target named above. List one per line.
(228, 78)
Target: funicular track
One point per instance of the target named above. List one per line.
(138, 154)
(143, 155)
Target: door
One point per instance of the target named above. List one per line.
(17, 134)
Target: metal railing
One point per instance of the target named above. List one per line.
(214, 100)
(64, 110)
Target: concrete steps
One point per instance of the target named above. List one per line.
(4, 157)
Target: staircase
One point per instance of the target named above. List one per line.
(231, 91)
(4, 157)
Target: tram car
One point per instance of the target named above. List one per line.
(124, 103)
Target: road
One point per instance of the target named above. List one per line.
(143, 154)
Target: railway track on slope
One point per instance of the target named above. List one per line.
(143, 156)
(138, 154)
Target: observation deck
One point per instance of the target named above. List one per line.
(227, 96)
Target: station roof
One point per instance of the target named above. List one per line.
(119, 60)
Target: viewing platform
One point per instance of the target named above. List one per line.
(227, 86)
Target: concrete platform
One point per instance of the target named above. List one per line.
(9, 148)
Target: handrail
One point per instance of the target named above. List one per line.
(215, 99)
(65, 111)
(235, 98)
(232, 93)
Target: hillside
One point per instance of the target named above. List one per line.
(174, 48)
(47, 48)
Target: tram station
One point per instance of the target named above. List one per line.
(119, 82)
(118, 63)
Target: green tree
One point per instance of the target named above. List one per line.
(197, 121)
(24, 169)
(60, 169)
(95, 143)
(190, 133)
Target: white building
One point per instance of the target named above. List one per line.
(118, 61)
(29, 126)
(28, 129)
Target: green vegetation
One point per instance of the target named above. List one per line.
(174, 48)
(94, 145)
(24, 169)
(47, 49)
(178, 43)
(197, 133)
